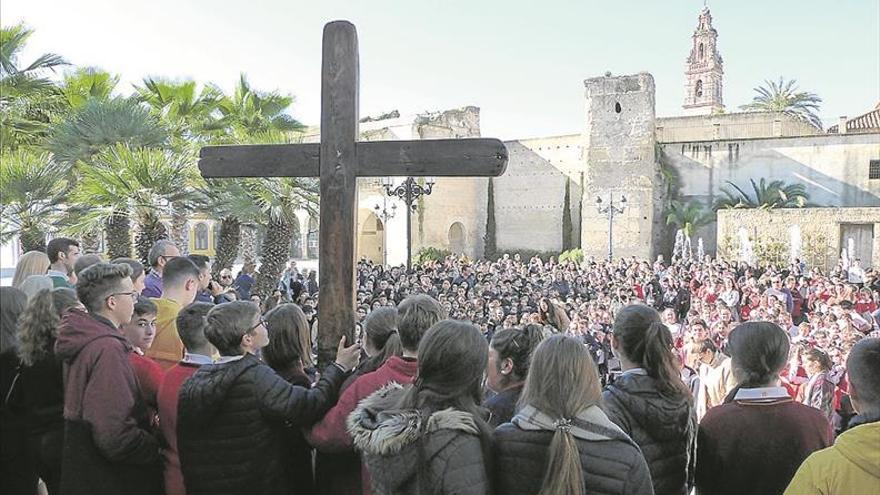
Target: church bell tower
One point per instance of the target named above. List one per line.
(704, 70)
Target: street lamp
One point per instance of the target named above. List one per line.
(385, 214)
(610, 209)
(408, 191)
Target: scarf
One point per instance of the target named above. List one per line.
(591, 424)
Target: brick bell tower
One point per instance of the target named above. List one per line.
(704, 70)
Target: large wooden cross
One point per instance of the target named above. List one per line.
(338, 160)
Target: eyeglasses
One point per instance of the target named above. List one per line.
(133, 295)
(261, 322)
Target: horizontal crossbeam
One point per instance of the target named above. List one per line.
(476, 157)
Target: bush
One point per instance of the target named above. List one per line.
(576, 255)
(430, 253)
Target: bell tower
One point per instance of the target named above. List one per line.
(704, 70)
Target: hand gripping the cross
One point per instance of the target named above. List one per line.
(347, 358)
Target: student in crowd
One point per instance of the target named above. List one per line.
(231, 415)
(137, 272)
(62, 253)
(245, 281)
(207, 287)
(82, 262)
(510, 353)
(41, 383)
(415, 315)
(755, 442)
(180, 284)
(852, 465)
(161, 252)
(191, 324)
(650, 402)
(381, 340)
(561, 442)
(30, 263)
(140, 332)
(430, 436)
(819, 390)
(108, 444)
(15, 473)
(36, 283)
(289, 344)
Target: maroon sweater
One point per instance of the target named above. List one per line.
(756, 447)
(167, 399)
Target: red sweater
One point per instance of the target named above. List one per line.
(754, 447)
(149, 375)
(174, 378)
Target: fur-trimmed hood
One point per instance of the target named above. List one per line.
(390, 438)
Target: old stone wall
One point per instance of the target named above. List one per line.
(742, 125)
(619, 153)
(822, 233)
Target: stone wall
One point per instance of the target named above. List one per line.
(619, 152)
(833, 167)
(743, 125)
(819, 229)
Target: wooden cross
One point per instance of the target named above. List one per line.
(338, 160)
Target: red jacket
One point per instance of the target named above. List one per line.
(149, 375)
(167, 397)
(101, 388)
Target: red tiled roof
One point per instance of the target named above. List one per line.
(867, 122)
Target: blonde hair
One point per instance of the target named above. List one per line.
(30, 263)
(562, 382)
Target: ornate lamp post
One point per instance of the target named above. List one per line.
(408, 191)
(385, 214)
(610, 209)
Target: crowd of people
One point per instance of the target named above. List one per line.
(508, 376)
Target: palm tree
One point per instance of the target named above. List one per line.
(99, 124)
(86, 84)
(230, 201)
(247, 113)
(688, 216)
(190, 115)
(27, 96)
(767, 195)
(783, 96)
(123, 184)
(32, 192)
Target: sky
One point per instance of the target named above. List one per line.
(522, 62)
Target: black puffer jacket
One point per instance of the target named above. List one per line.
(230, 426)
(402, 450)
(665, 429)
(611, 467)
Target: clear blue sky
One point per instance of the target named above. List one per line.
(522, 62)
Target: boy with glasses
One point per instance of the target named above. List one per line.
(108, 447)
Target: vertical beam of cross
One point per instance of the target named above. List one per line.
(339, 132)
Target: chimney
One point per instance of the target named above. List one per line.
(841, 127)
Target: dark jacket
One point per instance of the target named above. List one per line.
(231, 426)
(441, 454)
(108, 444)
(613, 466)
(502, 405)
(664, 428)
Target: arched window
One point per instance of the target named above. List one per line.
(699, 88)
(702, 52)
(201, 231)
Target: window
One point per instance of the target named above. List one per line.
(874, 169)
(201, 243)
(699, 89)
(702, 52)
(617, 107)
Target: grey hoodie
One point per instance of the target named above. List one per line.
(396, 443)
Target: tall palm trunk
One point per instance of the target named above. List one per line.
(248, 249)
(179, 229)
(228, 242)
(273, 256)
(150, 230)
(118, 231)
(91, 242)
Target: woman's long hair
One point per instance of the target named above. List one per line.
(561, 383)
(289, 337)
(646, 341)
(517, 344)
(12, 304)
(452, 360)
(38, 325)
(380, 327)
(30, 263)
(758, 352)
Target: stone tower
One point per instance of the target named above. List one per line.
(619, 157)
(704, 70)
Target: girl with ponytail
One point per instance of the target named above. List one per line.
(650, 402)
(755, 442)
(560, 442)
